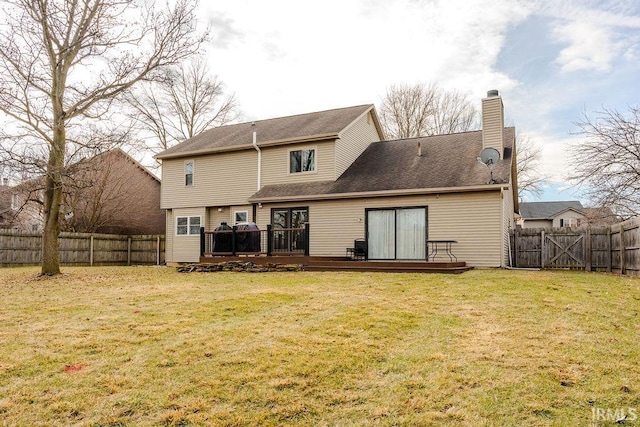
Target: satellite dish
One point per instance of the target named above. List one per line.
(489, 156)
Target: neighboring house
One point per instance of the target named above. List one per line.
(14, 214)
(333, 170)
(6, 213)
(109, 193)
(552, 214)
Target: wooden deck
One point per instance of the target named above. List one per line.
(311, 263)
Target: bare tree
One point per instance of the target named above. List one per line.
(606, 162)
(528, 156)
(184, 103)
(423, 110)
(64, 62)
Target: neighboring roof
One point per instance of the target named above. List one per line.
(121, 153)
(448, 162)
(547, 210)
(316, 126)
(37, 183)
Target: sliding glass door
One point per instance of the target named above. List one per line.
(397, 233)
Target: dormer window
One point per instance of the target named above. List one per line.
(302, 160)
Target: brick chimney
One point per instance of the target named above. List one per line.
(493, 121)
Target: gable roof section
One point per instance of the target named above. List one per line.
(119, 152)
(448, 163)
(547, 210)
(316, 126)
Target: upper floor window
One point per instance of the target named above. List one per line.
(302, 160)
(187, 225)
(240, 216)
(188, 173)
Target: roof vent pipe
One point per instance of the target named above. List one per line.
(419, 149)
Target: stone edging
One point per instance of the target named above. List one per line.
(238, 266)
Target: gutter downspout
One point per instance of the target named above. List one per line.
(255, 145)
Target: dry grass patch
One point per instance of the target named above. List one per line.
(149, 346)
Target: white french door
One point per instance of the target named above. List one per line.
(397, 233)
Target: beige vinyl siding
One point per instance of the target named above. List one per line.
(216, 217)
(492, 123)
(473, 219)
(275, 163)
(354, 141)
(168, 244)
(183, 248)
(221, 179)
(508, 223)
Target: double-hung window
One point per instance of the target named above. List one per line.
(188, 173)
(188, 225)
(302, 160)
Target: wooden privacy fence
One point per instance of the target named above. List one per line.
(22, 248)
(615, 248)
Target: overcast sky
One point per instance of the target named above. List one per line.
(550, 60)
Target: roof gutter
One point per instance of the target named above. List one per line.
(255, 145)
(382, 193)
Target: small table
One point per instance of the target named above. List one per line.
(433, 252)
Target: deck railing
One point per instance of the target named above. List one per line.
(269, 242)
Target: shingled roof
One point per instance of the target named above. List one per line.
(302, 127)
(447, 162)
(547, 210)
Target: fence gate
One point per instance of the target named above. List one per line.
(564, 250)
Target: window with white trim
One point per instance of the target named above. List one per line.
(187, 225)
(188, 173)
(302, 160)
(240, 216)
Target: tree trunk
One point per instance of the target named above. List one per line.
(52, 201)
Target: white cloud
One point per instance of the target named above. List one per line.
(596, 33)
(591, 46)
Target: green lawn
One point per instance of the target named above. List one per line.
(149, 346)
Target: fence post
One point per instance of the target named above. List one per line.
(234, 229)
(91, 251)
(587, 251)
(515, 247)
(543, 252)
(128, 250)
(609, 251)
(306, 239)
(201, 241)
(158, 250)
(269, 240)
(622, 249)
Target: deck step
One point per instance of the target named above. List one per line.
(393, 266)
(450, 270)
(311, 263)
